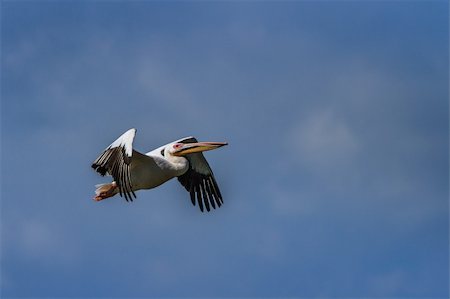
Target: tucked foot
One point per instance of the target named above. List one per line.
(105, 190)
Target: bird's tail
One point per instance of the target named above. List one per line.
(103, 191)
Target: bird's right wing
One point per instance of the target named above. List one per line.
(199, 180)
(115, 160)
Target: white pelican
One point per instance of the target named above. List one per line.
(132, 170)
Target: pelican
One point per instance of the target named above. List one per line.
(132, 170)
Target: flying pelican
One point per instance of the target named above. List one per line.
(132, 170)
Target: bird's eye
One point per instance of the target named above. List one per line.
(177, 145)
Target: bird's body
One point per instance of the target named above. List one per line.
(134, 171)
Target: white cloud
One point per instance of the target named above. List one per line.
(38, 240)
(162, 87)
(392, 282)
(323, 141)
(288, 203)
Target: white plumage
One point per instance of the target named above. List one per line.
(134, 171)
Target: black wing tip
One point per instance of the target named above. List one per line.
(99, 169)
(128, 197)
(199, 198)
(192, 194)
(202, 189)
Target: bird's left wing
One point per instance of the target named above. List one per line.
(199, 180)
(115, 160)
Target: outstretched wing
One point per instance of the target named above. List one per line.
(199, 180)
(115, 160)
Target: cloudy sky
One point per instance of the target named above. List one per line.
(335, 179)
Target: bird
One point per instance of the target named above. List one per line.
(133, 170)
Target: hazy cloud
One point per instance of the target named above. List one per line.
(335, 179)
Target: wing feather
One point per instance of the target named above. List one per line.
(209, 195)
(204, 196)
(115, 160)
(199, 181)
(199, 197)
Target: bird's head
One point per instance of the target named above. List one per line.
(182, 149)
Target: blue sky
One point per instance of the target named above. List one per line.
(335, 181)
